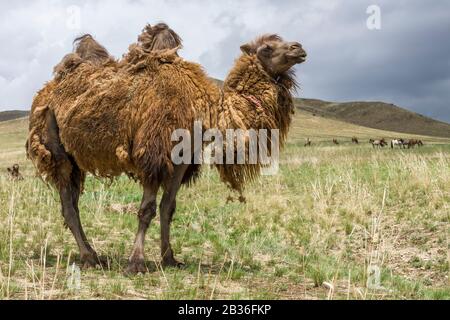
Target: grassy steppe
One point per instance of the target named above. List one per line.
(317, 230)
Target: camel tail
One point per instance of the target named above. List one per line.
(45, 150)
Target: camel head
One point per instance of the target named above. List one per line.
(276, 55)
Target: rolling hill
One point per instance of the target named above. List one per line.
(13, 114)
(377, 115)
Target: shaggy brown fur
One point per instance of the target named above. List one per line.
(159, 37)
(125, 139)
(86, 49)
(111, 118)
(90, 50)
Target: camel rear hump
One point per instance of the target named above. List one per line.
(88, 49)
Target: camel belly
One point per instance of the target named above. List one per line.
(96, 139)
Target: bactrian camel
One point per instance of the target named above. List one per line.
(109, 117)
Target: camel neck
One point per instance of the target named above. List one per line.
(252, 100)
(248, 78)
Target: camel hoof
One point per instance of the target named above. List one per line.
(135, 267)
(172, 263)
(92, 261)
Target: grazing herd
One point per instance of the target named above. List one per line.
(403, 144)
(379, 143)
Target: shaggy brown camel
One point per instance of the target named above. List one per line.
(113, 118)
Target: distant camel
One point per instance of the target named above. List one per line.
(397, 142)
(412, 143)
(308, 143)
(14, 173)
(355, 140)
(335, 142)
(378, 143)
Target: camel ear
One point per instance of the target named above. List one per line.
(174, 50)
(247, 49)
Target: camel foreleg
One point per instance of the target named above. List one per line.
(167, 210)
(146, 214)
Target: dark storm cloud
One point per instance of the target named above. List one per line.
(407, 62)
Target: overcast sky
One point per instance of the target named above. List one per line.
(406, 62)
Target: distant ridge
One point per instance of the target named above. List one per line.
(12, 115)
(377, 115)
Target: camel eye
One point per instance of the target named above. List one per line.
(266, 50)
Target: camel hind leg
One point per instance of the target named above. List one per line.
(68, 179)
(71, 216)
